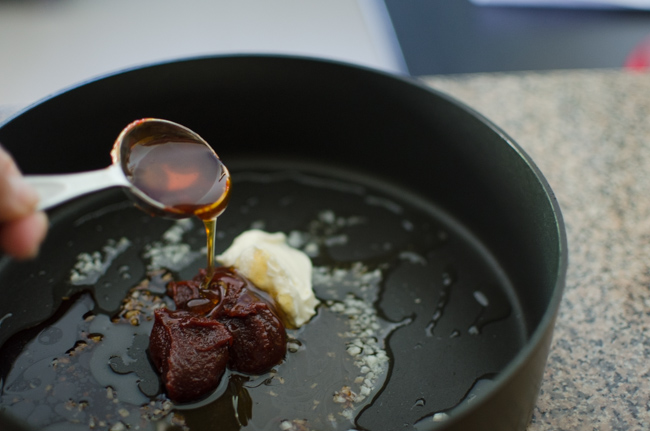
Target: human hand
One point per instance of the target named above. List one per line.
(22, 227)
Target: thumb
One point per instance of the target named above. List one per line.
(17, 198)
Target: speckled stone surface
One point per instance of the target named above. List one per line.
(589, 133)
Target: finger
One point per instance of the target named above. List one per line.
(17, 198)
(22, 238)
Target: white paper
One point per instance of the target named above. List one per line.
(46, 46)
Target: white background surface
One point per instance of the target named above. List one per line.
(49, 45)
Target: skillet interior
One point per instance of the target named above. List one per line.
(351, 118)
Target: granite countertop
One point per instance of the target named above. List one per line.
(589, 133)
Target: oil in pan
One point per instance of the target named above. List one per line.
(416, 316)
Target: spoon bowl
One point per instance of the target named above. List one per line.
(167, 169)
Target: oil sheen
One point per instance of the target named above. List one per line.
(402, 288)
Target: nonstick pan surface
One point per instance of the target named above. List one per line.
(438, 221)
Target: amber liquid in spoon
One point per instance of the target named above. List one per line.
(185, 176)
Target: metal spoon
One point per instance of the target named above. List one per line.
(148, 132)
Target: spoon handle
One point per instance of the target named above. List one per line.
(56, 189)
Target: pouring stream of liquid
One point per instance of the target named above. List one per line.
(210, 233)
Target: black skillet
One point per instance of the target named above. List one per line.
(445, 185)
